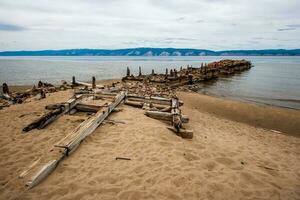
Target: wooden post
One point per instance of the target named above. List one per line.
(73, 80)
(93, 82)
(175, 73)
(140, 71)
(180, 68)
(40, 84)
(190, 77)
(128, 72)
(166, 71)
(152, 72)
(5, 88)
(171, 72)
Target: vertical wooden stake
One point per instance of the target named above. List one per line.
(128, 72)
(140, 71)
(73, 80)
(93, 82)
(5, 88)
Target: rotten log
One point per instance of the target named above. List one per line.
(49, 117)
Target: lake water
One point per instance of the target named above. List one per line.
(272, 80)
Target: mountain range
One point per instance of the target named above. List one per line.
(153, 52)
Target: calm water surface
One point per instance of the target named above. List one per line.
(272, 80)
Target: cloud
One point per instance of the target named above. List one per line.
(205, 24)
(10, 27)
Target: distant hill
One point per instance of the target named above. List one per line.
(153, 52)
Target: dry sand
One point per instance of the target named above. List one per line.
(226, 159)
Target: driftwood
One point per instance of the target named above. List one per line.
(49, 117)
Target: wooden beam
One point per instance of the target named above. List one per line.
(88, 108)
(43, 172)
(88, 126)
(165, 116)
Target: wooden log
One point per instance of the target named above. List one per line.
(54, 106)
(188, 134)
(133, 103)
(49, 117)
(87, 108)
(165, 116)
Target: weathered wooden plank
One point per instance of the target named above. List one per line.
(43, 172)
(165, 116)
(88, 126)
(25, 172)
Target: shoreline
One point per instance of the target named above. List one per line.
(253, 113)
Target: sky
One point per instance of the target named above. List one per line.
(114, 24)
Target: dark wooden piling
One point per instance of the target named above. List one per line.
(5, 88)
(140, 71)
(93, 82)
(73, 80)
(128, 72)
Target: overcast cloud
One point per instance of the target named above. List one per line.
(205, 24)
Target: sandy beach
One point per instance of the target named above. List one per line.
(236, 153)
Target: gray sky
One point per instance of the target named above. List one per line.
(204, 24)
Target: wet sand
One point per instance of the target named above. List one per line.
(233, 155)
